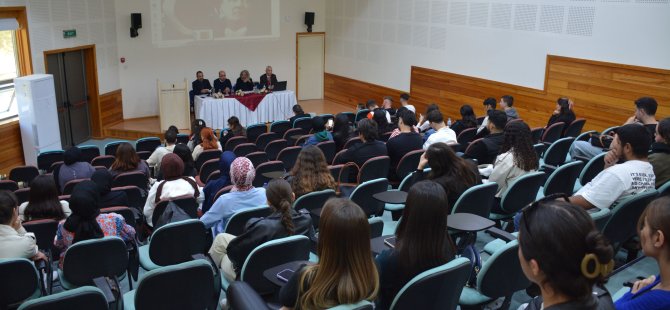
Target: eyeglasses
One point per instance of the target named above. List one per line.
(526, 210)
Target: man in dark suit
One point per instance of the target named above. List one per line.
(222, 84)
(201, 85)
(268, 79)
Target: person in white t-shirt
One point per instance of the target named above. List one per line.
(442, 132)
(620, 180)
(404, 101)
(156, 157)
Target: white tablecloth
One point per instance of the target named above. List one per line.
(274, 106)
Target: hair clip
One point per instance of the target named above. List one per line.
(599, 269)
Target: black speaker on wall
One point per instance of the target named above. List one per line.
(309, 20)
(135, 23)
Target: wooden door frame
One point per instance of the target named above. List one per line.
(22, 37)
(297, 43)
(94, 111)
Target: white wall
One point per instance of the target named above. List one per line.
(94, 21)
(146, 63)
(379, 40)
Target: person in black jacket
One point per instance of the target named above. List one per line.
(200, 85)
(244, 82)
(230, 252)
(269, 80)
(222, 84)
(360, 153)
(403, 143)
(485, 152)
(108, 198)
(342, 130)
(563, 113)
(298, 112)
(468, 120)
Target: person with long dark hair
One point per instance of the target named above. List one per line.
(310, 172)
(235, 129)
(562, 252)
(189, 165)
(15, 241)
(43, 202)
(659, 158)
(421, 240)
(468, 120)
(298, 112)
(174, 185)
(196, 126)
(452, 172)
(108, 198)
(86, 222)
(230, 252)
(127, 160)
(73, 168)
(213, 186)
(342, 130)
(562, 113)
(383, 125)
(346, 272)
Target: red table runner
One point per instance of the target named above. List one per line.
(251, 101)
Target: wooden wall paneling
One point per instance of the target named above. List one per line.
(350, 92)
(111, 108)
(11, 153)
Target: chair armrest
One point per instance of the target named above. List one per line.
(242, 296)
(500, 234)
(103, 284)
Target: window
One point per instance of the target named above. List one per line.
(8, 71)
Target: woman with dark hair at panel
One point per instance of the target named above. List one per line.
(298, 112)
(346, 272)
(43, 202)
(209, 142)
(108, 198)
(196, 126)
(86, 222)
(175, 185)
(562, 252)
(73, 168)
(342, 130)
(659, 158)
(310, 172)
(383, 126)
(421, 241)
(562, 113)
(652, 293)
(213, 186)
(230, 252)
(235, 129)
(517, 157)
(468, 119)
(127, 161)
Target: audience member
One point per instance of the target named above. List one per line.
(201, 85)
(619, 181)
(372, 106)
(406, 141)
(235, 129)
(222, 84)
(652, 293)
(387, 105)
(189, 164)
(660, 152)
(86, 221)
(563, 113)
(421, 241)
(404, 101)
(320, 132)
(490, 105)
(73, 168)
(268, 80)
(209, 142)
(127, 161)
(383, 126)
(517, 157)
(424, 124)
(361, 152)
(468, 120)
(43, 202)
(230, 252)
(345, 273)
(342, 130)
(485, 152)
(175, 185)
(562, 252)
(213, 186)
(156, 157)
(442, 132)
(310, 172)
(108, 198)
(15, 241)
(242, 196)
(196, 126)
(244, 82)
(298, 112)
(506, 103)
(454, 173)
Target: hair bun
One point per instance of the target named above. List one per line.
(597, 244)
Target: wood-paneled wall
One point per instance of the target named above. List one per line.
(111, 108)
(603, 92)
(351, 92)
(11, 153)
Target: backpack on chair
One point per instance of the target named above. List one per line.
(172, 214)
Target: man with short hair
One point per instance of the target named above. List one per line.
(15, 241)
(269, 80)
(404, 101)
(222, 84)
(387, 104)
(371, 105)
(442, 132)
(485, 152)
(406, 141)
(506, 103)
(620, 181)
(201, 85)
(157, 156)
(489, 105)
(359, 153)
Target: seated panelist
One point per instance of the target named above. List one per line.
(244, 82)
(201, 85)
(269, 80)
(222, 84)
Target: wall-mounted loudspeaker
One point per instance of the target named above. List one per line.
(135, 23)
(309, 20)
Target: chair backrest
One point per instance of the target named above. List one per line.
(327, 117)
(539, 149)
(466, 136)
(175, 243)
(19, 282)
(85, 297)
(44, 230)
(337, 158)
(104, 161)
(408, 163)
(207, 168)
(351, 116)
(257, 158)
(88, 152)
(374, 168)
(293, 134)
(361, 114)
(22, 194)
(329, 148)
(136, 200)
(23, 174)
(55, 166)
(263, 140)
(385, 136)
(351, 142)
(600, 218)
(409, 180)
(207, 155)
(213, 176)
(8, 185)
(592, 168)
(575, 128)
(664, 189)
(362, 196)
(188, 285)
(300, 141)
(536, 134)
(270, 254)
(361, 305)
(584, 136)
(609, 130)
(553, 132)
(273, 148)
(220, 192)
(255, 130)
(270, 166)
(563, 179)
(233, 142)
(314, 200)
(187, 203)
(280, 127)
(110, 148)
(303, 122)
(557, 152)
(46, 159)
(148, 144)
(501, 274)
(622, 225)
(182, 138)
(289, 156)
(90, 259)
(238, 221)
(241, 150)
(444, 283)
(472, 144)
(521, 192)
(69, 186)
(376, 227)
(126, 212)
(477, 200)
(134, 178)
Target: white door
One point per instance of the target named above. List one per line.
(311, 59)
